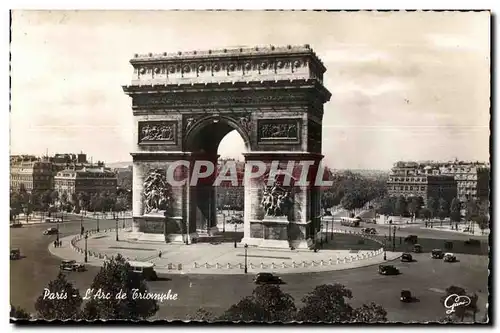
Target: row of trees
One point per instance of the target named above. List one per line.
(22, 201)
(476, 210)
(353, 191)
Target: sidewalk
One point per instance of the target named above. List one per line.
(205, 258)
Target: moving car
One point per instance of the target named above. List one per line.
(406, 257)
(406, 296)
(267, 278)
(473, 242)
(450, 257)
(146, 269)
(370, 231)
(71, 266)
(15, 254)
(50, 231)
(437, 254)
(388, 270)
(417, 248)
(411, 239)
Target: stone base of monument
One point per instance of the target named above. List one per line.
(160, 238)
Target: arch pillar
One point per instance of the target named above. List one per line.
(296, 229)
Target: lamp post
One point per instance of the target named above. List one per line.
(235, 246)
(116, 227)
(97, 222)
(57, 232)
(246, 268)
(223, 222)
(81, 224)
(86, 237)
(393, 238)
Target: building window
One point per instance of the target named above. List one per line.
(411, 188)
(422, 188)
(406, 188)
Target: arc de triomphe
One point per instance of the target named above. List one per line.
(185, 103)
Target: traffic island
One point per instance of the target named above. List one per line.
(216, 258)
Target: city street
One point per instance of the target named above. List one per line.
(426, 278)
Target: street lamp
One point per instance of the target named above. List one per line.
(223, 222)
(393, 238)
(57, 232)
(246, 268)
(116, 227)
(81, 225)
(97, 222)
(86, 237)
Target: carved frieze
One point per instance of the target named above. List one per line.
(287, 130)
(246, 123)
(190, 121)
(157, 132)
(218, 99)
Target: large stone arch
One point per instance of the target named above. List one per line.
(185, 103)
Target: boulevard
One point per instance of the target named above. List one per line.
(427, 278)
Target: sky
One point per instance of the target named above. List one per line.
(405, 86)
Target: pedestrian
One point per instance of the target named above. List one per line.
(159, 254)
(55, 244)
(60, 243)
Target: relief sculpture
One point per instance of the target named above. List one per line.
(159, 131)
(279, 131)
(276, 201)
(157, 192)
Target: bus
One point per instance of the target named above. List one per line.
(350, 221)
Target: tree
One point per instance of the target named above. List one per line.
(483, 222)
(425, 213)
(461, 311)
(432, 206)
(328, 303)
(455, 210)
(401, 205)
(117, 278)
(444, 208)
(19, 313)
(60, 300)
(414, 205)
(388, 206)
(472, 209)
(54, 196)
(352, 200)
(202, 315)
(371, 313)
(267, 304)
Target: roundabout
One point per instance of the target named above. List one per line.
(347, 250)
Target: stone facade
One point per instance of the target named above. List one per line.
(185, 103)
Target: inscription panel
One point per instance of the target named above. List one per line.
(278, 131)
(157, 132)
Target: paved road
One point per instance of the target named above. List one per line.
(426, 278)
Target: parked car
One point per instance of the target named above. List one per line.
(450, 257)
(15, 254)
(50, 231)
(71, 266)
(437, 254)
(406, 257)
(406, 296)
(417, 248)
(16, 225)
(267, 278)
(388, 270)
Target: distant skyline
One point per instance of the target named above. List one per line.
(406, 86)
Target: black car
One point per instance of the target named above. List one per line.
(267, 278)
(411, 239)
(417, 248)
(388, 270)
(473, 242)
(406, 257)
(437, 254)
(406, 296)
